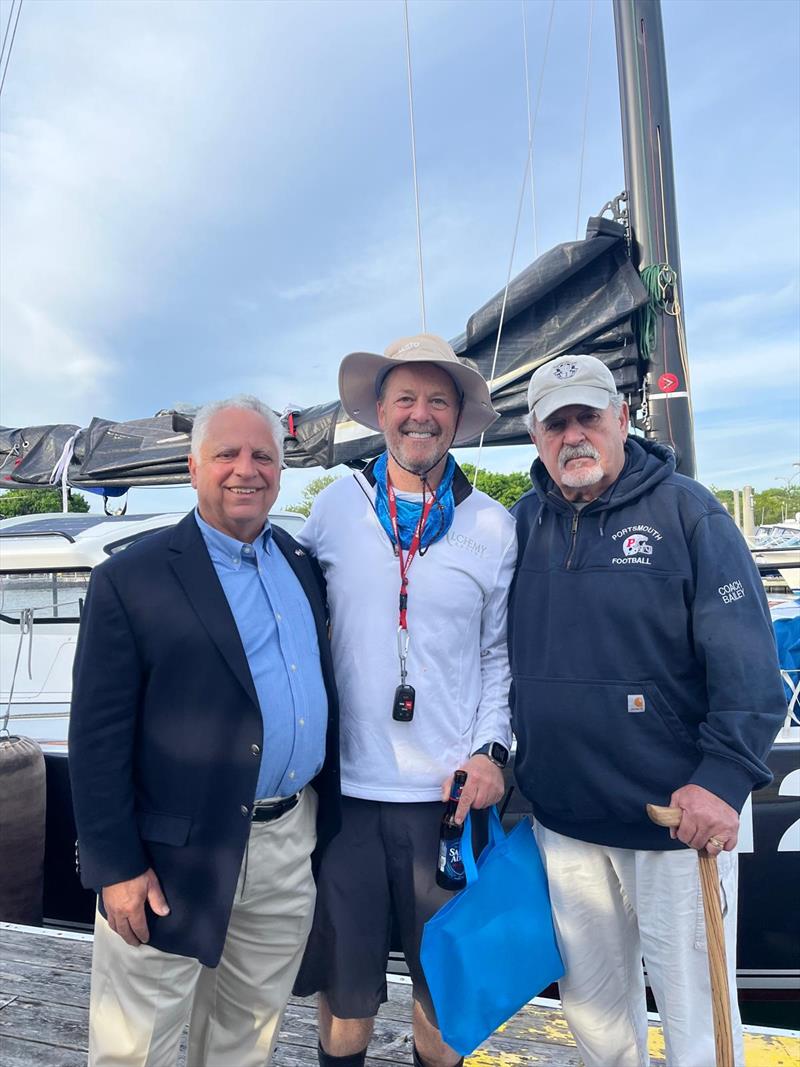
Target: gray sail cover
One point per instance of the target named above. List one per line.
(580, 297)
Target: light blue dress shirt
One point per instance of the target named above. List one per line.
(276, 627)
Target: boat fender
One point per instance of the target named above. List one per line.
(22, 830)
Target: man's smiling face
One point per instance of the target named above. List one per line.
(583, 448)
(237, 476)
(418, 411)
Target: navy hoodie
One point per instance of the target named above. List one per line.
(642, 653)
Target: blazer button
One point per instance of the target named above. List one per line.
(255, 749)
(244, 809)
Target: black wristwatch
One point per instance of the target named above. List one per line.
(496, 752)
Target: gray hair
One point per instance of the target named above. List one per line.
(242, 402)
(616, 402)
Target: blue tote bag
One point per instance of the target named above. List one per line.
(492, 948)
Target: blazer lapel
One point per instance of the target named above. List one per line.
(195, 571)
(298, 560)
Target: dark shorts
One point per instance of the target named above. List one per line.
(380, 869)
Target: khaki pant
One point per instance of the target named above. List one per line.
(141, 998)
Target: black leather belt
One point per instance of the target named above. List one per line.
(273, 809)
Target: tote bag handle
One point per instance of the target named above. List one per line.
(496, 836)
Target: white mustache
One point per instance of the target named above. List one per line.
(568, 452)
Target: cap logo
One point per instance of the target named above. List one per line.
(565, 370)
(405, 348)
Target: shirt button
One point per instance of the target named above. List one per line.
(294, 666)
(248, 550)
(278, 616)
(291, 774)
(255, 749)
(302, 722)
(244, 809)
(234, 559)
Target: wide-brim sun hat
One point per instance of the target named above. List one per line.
(361, 375)
(570, 380)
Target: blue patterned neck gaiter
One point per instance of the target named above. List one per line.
(440, 518)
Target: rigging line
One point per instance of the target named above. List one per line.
(8, 25)
(678, 310)
(10, 46)
(585, 117)
(530, 133)
(652, 228)
(532, 125)
(679, 323)
(528, 167)
(414, 166)
(503, 306)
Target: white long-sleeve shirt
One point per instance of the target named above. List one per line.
(457, 655)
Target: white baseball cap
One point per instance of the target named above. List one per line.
(570, 380)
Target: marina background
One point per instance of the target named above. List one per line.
(207, 198)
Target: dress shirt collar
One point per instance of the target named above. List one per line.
(227, 550)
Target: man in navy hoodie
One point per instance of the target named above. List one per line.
(644, 670)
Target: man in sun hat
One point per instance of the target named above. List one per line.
(439, 599)
(656, 681)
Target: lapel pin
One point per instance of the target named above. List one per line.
(299, 552)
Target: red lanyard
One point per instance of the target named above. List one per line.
(405, 564)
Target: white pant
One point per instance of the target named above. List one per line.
(611, 908)
(141, 997)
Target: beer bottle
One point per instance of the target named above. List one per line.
(450, 868)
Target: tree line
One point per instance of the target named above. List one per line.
(771, 505)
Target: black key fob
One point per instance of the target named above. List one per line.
(403, 709)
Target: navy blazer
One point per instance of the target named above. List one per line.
(166, 732)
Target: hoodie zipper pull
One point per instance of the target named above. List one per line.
(576, 516)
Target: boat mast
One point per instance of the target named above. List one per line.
(650, 184)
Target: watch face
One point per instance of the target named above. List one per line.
(498, 753)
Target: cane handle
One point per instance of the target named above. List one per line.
(665, 816)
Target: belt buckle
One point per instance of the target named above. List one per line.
(284, 803)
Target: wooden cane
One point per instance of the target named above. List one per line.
(715, 940)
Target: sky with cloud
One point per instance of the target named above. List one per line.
(204, 198)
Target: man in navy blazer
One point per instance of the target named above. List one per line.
(204, 763)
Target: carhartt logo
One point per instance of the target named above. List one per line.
(635, 702)
(565, 370)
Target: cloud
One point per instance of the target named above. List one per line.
(755, 370)
(730, 312)
(49, 371)
(747, 451)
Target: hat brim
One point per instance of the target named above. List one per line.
(589, 395)
(360, 371)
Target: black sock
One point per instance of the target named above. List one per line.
(356, 1059)
(419, 1062)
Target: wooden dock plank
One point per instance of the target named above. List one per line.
(26, 979)
(45, 1022)
(44, 997)
(18, 1053)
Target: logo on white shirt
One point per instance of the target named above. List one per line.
(458, 540)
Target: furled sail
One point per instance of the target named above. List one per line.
(579, 297)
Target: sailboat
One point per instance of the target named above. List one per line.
(615, 294)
